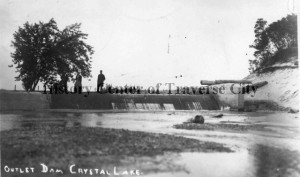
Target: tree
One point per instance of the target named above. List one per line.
(260, 43)
(43, 53)
(279, 37)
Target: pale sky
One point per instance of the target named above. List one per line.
(209, 38)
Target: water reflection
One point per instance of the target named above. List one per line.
(59, 119)
(261, 161)
(272, 161)
(214, 165)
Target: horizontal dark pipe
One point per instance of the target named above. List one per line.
(205, 82)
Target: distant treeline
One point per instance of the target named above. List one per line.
(274, 43)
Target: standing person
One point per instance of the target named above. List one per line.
(100, 82)
(78, 85)
(63, 84)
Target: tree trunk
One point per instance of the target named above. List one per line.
(34, 84)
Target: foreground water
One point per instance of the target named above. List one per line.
(257, 153)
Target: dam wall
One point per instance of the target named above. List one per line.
(135, 102)
(20, 100)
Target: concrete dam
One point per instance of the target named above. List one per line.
(16, 100)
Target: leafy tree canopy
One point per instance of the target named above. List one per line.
(273, 43)
(43, 53)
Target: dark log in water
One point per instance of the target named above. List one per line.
(260, 84)
(205, 82)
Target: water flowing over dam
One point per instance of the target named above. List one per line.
(16, 100)
(134, 102)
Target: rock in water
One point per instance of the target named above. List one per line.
(293, 111)
(199, 119)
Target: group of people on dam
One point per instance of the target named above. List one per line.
(78, 82)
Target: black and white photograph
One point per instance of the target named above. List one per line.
(152, 88)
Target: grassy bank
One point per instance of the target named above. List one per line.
(58, 147)
(223, 126)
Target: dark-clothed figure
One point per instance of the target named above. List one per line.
(100, 81)
(78, 85)
(63, 84)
